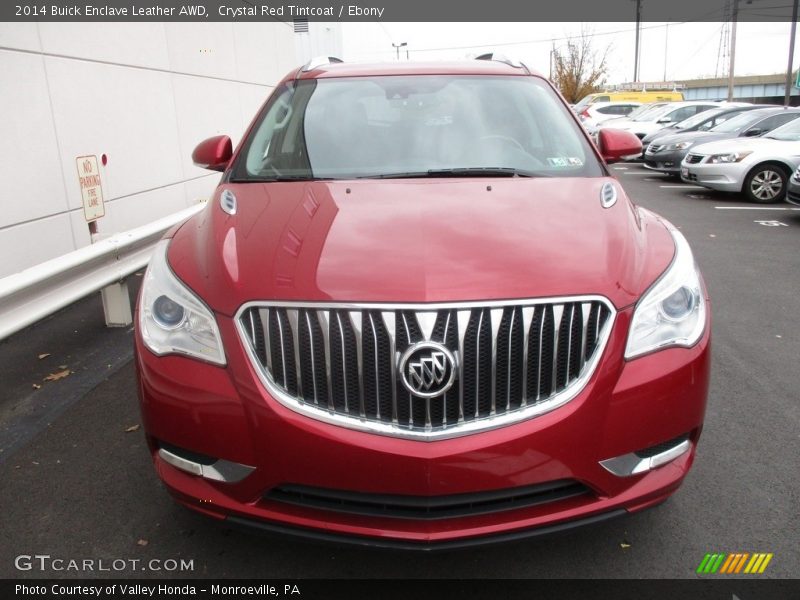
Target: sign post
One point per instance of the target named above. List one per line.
(116, 302)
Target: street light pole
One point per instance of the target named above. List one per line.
(791, 55)
(397, 48)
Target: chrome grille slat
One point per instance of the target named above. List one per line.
(462, 317)
(355, 323)
(558, 313)
(512, 360)
(495, 318)
(307, 323)
(293, 318)
(264, 317)
(389, 322)
(527, 319)
(324, 324)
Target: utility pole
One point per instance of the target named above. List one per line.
(734, 18)
(791, 55)
(666, 49)
(638, 26)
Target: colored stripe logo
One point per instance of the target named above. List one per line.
(734, 563)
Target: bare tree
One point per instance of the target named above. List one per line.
(579, 69)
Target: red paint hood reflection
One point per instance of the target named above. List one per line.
(434, 240)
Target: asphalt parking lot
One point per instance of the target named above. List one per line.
(77, 485)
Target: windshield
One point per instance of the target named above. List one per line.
(655, 113)
(698, 118)
(584, 102)
(739, 123)
(787, 133)
(642, 109)
(415, 126)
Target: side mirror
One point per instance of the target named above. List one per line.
(616, 144)
(753, 132)
(214, 153)
(664, 121)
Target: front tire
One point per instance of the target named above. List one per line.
(766, 184)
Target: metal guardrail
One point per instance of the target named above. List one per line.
(30, 295)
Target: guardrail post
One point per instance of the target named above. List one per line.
(117, 305)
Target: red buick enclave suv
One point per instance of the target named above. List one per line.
(419, 312)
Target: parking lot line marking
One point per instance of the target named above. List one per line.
(755, 208)
(679, 187)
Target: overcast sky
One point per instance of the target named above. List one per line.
(692, 49)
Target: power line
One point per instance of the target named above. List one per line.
(538, 41)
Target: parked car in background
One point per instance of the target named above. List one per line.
(702, 121)
(758, 167)
(600, 112)
(419, 311)
(644, 97)
(653, 121)
(793, 191)
(667, 153)
(622, 122)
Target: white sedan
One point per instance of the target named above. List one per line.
(758, 167)
(655, 120)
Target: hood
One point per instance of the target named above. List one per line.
(757, 144)
(659, 134)
(697, 137)
(417, 241)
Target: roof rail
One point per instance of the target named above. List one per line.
(517, 64)
(319, 61)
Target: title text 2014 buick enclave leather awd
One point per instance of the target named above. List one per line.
(418, 311)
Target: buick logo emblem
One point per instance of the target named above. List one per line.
(427, 369)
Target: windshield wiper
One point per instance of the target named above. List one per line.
(459, 172)
(274, 178)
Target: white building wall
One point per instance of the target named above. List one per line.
(143, 94)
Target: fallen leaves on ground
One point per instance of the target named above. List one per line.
(44, 355)
(132, 428)
(142, 542)
(58, 375)
(624, 545)
(36, 386)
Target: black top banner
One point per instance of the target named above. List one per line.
(384, 11)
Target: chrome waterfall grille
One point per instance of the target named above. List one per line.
(426, 371)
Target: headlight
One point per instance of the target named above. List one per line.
(172, 319)
(673, 311)
(728, 157)
(679, 146)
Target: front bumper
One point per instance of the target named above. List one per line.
(793, 191)
(227, 414)
(720, 176)
(665, 162)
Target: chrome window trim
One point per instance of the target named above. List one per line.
(496, 421)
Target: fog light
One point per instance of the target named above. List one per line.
(647, 458)
(208, 467)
